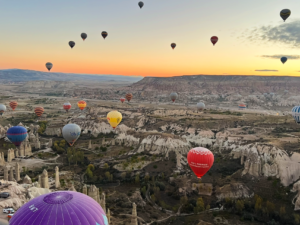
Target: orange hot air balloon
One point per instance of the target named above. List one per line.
(39, 111)
(81, 104)
(128, 97)
(122, 100)
(200, 160)
(13, 105)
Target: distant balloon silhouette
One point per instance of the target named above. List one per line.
(141, 4)
(214, 39)
(72, 44)
(283, 59)
(83, 36)
(104, 34)
(173, 45)
(285, 13)
(49, 66)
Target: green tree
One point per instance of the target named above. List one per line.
(137, 179)
(107, 174)
(297, 218)
(239, 205)
(106, 166)
(282, 211)
(270, 207)
(199, 206)
(89, 173)
(144, 191)
(183, 200)
(258, 203)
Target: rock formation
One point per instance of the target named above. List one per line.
(5, 173)
(93, 192)
(10, 155)
(27, 180)
(103, 202)
(72, 188)
(90, 144)
(17, 171)
(108, 216)
(57, 182)
(134, 215)
(84, 189)
(11, 174)
(45, 180)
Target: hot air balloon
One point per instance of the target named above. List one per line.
(141, 4)
(173, 45)
(242, 106)
(104, 34)
(214, 39)
(39, 111)
(49, 66)
(200, 160)
(71, 133)
(283, 59)
(81, 104)
(16, 134)
(173, 96)
(83, 36)
(200, 106)
(114, 118)
(285, 13)
(67, 106)
(122, 100)
(2, 109)
(72, 44)
(296, 113)
(13, 105)
(128, 97)
(60, 208)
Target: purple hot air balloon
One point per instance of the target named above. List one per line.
(61, 208)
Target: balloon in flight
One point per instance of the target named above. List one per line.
(83, 36)
(39, 111)
(141, 4)
(173, 45)
(2, 109)
(128, 97)
(200, 160)
(67, 106)
(13, 105)
(296, 113)
(285, 13)
(242, 106)
(104, 34)
(16, 134)
(283, 59)
(214, 39)
(49, 66)
(60, 208)
(122, 100)
(173, 96)
(114, 118)
(200, 106)
(72, 44)
(81, 104)
(71, 133)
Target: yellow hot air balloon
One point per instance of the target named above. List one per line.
(81, 104)
(114, 118)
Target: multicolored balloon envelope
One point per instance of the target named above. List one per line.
(285, 13)
(122, 100)
(200, 160)
(2, 109)
(128, 97)
(71, 132)
(39, 111)
(13, 105)
(67, 106)
(114, 118)
(81, 104)
(16, 134)
(49, 66)
(60, 208)
(104, 34)
(296, 113)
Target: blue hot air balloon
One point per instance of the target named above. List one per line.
(296, 113)
(16, 135)
(283, 59)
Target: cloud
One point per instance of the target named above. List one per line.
(267, 70)
(279, 56)
(286, 33)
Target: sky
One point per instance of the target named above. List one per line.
(252, 37)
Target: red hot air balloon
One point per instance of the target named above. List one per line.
(214, 39)
(13, 105)
(122, 100)
(200, 160)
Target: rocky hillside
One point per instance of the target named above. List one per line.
(204, 84)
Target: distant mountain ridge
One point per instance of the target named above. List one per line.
(215, 84)
(19, 75)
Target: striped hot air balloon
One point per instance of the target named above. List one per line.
(128, 97)
(81, 104)
(242, 106)
(16, 134)
(104, 34)
(39, 111)
(13, 105)
(67, 106)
